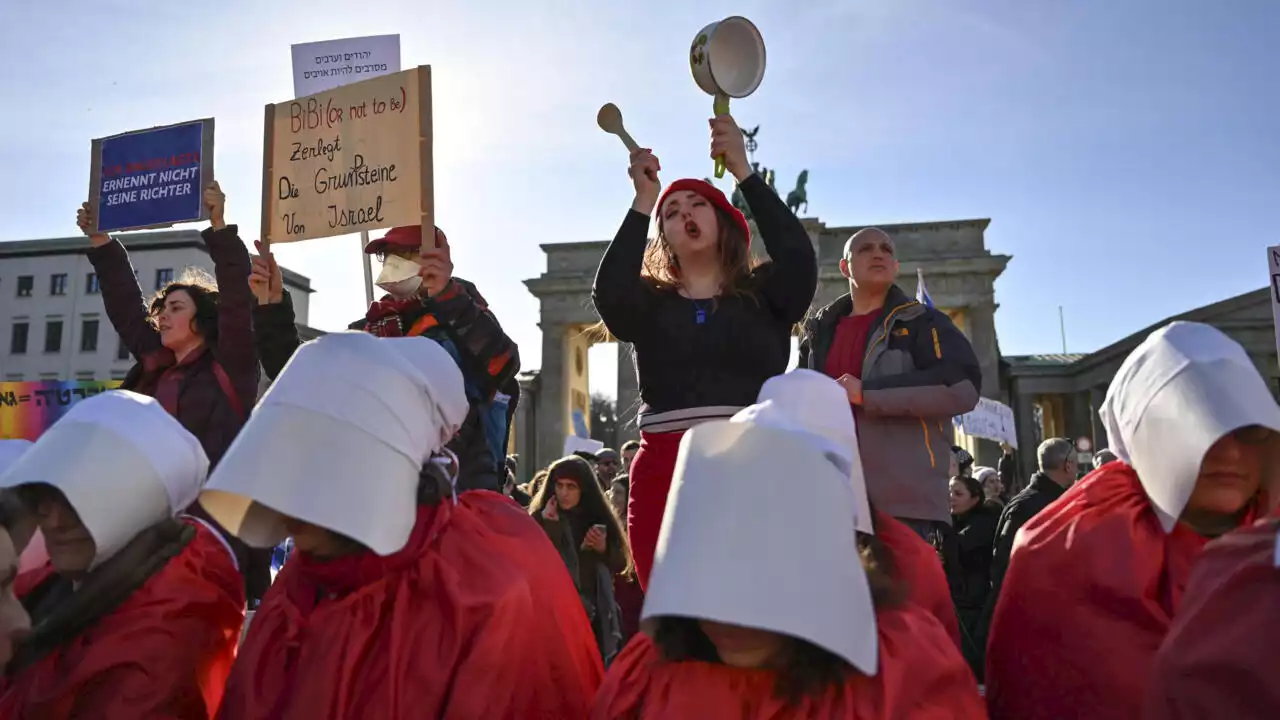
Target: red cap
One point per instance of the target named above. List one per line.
(714, 196)
(408, 236)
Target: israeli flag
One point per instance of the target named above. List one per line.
(922, 293)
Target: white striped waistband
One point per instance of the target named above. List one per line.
(684, 418)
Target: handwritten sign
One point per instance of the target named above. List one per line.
(990, 420)
(321, 66)
(151, 178)
(27, 409)
(350, 159)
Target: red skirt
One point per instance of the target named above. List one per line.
(651, 472)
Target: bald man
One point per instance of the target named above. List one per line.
(907, 371)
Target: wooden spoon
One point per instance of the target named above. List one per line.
(610, 120)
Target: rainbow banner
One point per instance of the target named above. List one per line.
(27, 409)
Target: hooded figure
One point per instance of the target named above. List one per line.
(23, 530)
(400, 599)
(743, 622)
(810, 400)
(1095, 579)
(138, 612)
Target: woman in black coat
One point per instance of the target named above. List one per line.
(974, 523)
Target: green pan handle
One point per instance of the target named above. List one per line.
(721, 107)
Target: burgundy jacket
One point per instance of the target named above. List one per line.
(204, 408)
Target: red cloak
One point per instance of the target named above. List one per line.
(476, 617)
(1219, 658)
(918, 567)
(922, 677)
(165, 652)
(1092, 586)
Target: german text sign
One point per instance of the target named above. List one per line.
(990, 420)
(351, 159)
(151, 178)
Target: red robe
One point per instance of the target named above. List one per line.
(922, 677)
(1092, 586)
(165, 652)
(476, 617)
(918, 567)
(1220, 657)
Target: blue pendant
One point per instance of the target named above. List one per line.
(700, 317)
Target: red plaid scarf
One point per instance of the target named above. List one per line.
(386, 317)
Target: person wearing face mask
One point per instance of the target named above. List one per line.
(423, 299)
(708, 325)
(138, 610)
(192, 342)
(1096, 578)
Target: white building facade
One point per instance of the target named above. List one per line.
(52, 322)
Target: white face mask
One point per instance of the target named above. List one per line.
(400, 277)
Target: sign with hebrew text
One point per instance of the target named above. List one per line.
(27, 409)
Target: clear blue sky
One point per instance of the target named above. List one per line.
(1126, 152)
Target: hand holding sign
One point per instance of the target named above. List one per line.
(216, 203)
(265, 280)
(86, 220)
(437, 266)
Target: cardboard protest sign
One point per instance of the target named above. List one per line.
(27, 409)
(990, 420)
(351, 159)
(321, 66)
(151, 178)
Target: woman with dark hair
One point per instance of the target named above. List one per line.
(403, 598)
(973, 523)
(750, 624)
(708, 326)
(573, 511)
(192, 343)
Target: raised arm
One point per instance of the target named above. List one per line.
(275, 329)
(789, 284)
(121, 295)
(619, 293)
(236, 351)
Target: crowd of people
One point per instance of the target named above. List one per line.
(803, 543)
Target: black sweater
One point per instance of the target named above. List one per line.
(744, 341)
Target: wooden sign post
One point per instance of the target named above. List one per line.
(355, 158)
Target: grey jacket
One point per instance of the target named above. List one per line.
(919, 371)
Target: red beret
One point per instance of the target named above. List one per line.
(714, 196)
(408, 236)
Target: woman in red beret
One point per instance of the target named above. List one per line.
(708, 325)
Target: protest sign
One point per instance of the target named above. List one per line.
(990, 420)
(151, 178)
(321, 66)
(1273, 267)
(27, 409)
(351, 159)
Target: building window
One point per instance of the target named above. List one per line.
(14, 377)
(85, 376)
(164, 276)
(119, 374)
(89, 336)
(58, 284)
(91, 284)
(53, 336)
(25, 284)
(122, 352)
(18, 338)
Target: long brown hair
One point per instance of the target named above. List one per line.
(661, 267)
(593, 506)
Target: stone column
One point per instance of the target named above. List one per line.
(982, 335)
(1025, 418)
(1096, 396)
(553, 396)
(628, 396)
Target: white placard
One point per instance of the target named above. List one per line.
(990, 420)
(1273, 267)
(321, 66)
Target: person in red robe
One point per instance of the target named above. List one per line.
(401, 599)
(758, 605)
(138, 610)
(1219, 657)
(1096, 577)
(819, 405)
